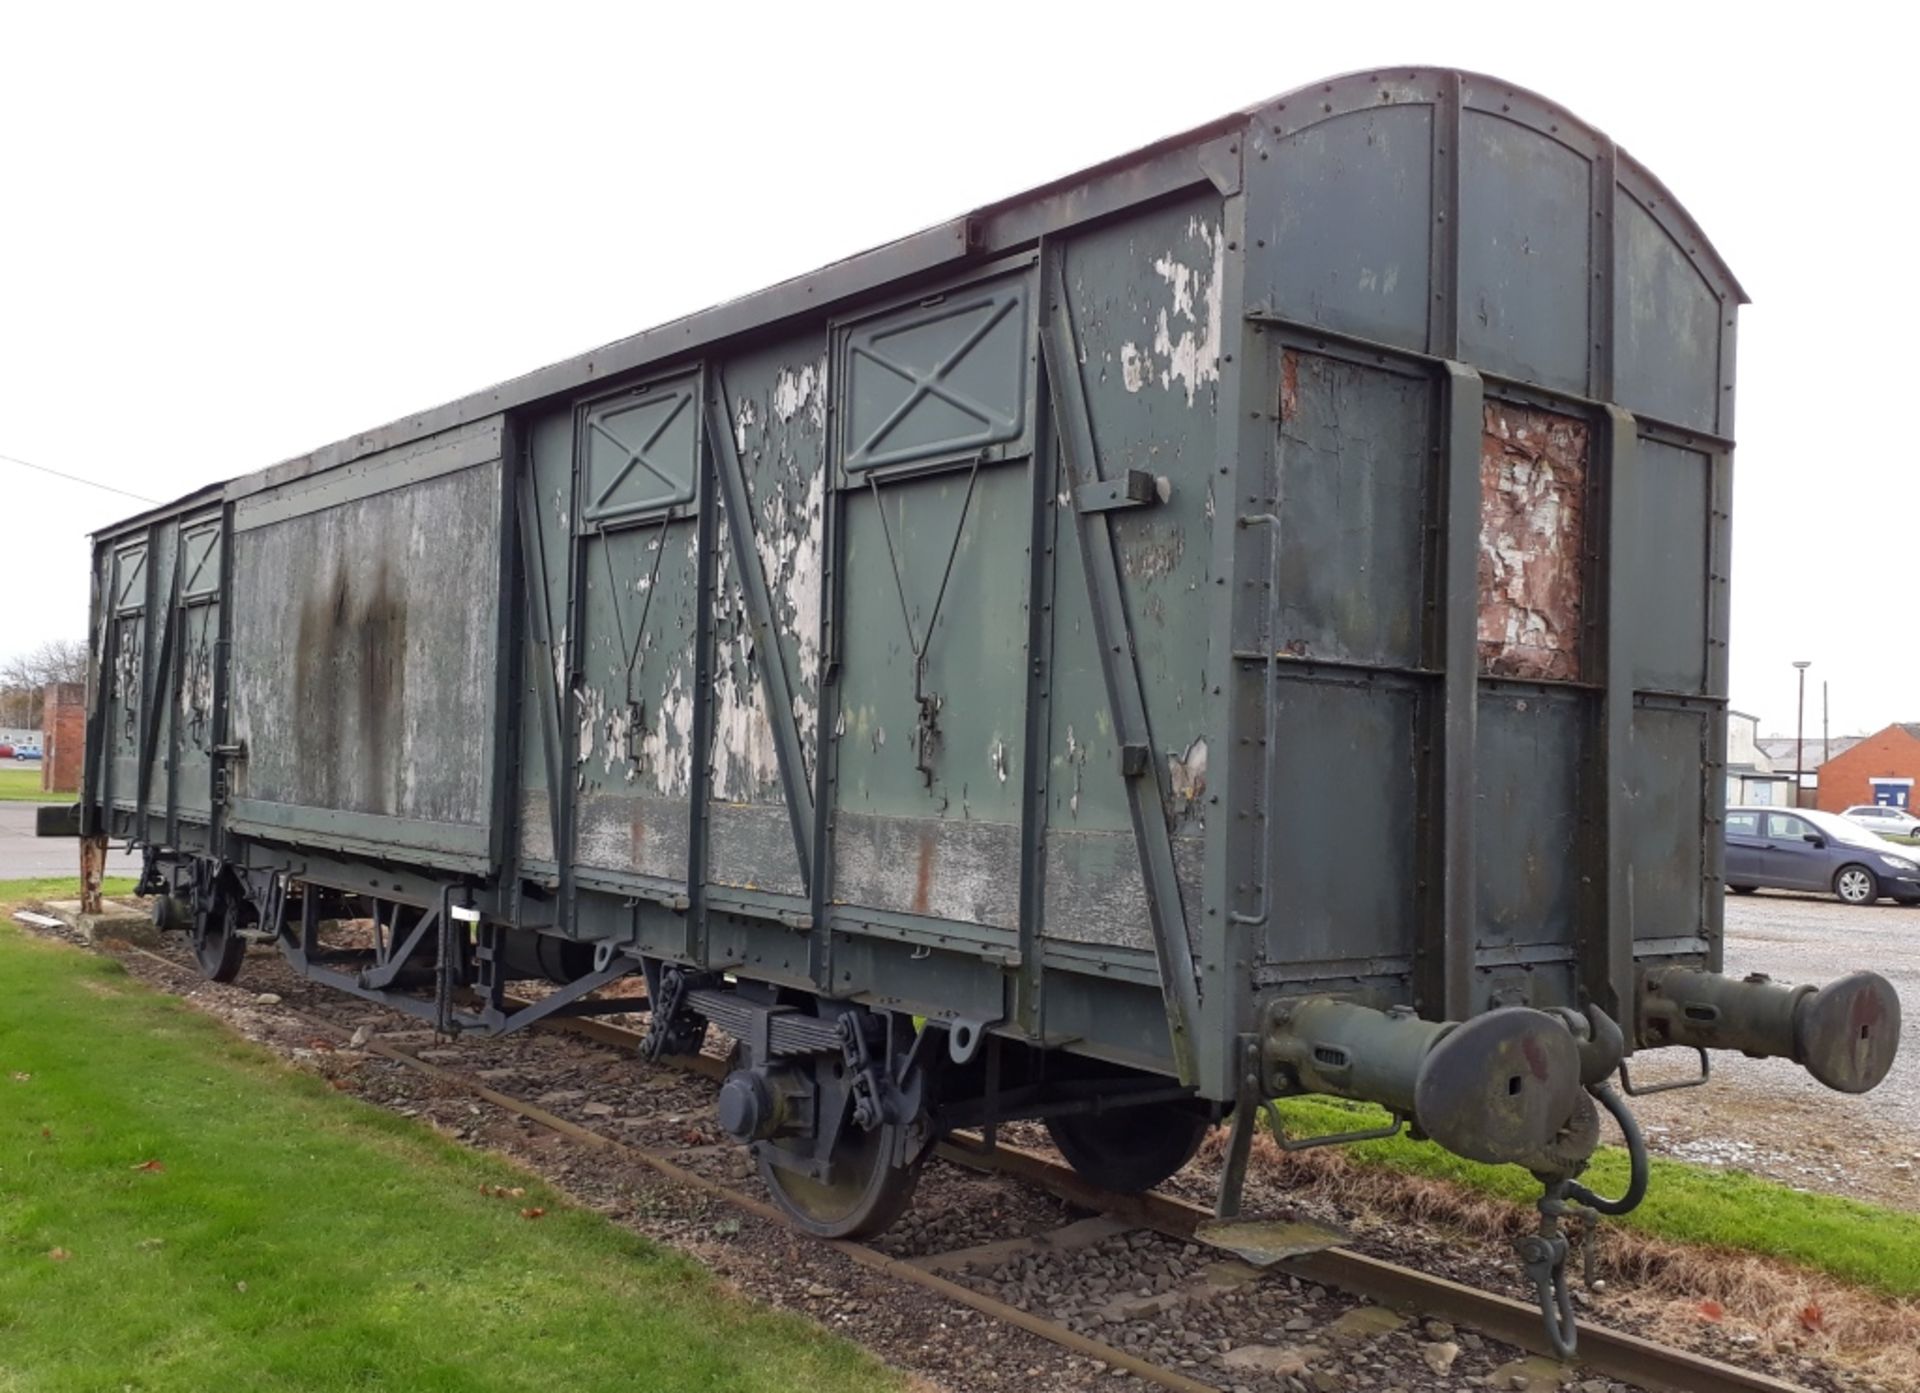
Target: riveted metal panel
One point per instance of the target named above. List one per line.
(949, 374)
(929, 746)
(1667, 855)
(1667, 326)
(629, 738)
(1527, 798)
(1525, 238)
(1353, 466)
(1665, 556)
(1342, 824)
(1350, 235)
(1146, 301)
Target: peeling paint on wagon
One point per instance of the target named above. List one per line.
(1533, 479)
(1187, 774)
(1184, 346)
(780, 432)
(1193, 358)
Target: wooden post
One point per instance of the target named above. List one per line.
(93, 865)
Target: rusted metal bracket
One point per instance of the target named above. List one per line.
(768, 655)
(1133, 489)
(1146, 798)
(93, 869)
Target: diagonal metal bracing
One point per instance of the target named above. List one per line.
(540, 646)
(768, 655)
(637, 455)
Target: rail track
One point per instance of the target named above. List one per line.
(1612, 1354)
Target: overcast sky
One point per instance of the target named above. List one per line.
(229, 236)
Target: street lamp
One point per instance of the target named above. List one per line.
(1800, 737)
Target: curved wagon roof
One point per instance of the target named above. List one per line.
(1205, 153)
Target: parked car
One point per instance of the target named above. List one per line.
(26, 752)
(1882, 820)
(6, 751)
(1803, 849)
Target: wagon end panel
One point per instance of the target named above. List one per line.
(364, 653)
(1483, 641)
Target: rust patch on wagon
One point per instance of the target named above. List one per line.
(1533, 483)
(923, 875)
(1289, 385)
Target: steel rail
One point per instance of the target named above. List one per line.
(1612, 1353)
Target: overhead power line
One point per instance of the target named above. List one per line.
(75, 478)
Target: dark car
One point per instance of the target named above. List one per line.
(1804, 849)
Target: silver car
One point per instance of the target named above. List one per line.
(1882, 820)
(1804, 849)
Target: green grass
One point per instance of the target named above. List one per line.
(59, 887)
(1867, 1244)
(20, 783)
(299, 1239)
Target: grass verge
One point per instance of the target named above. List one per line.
(1865, 1244)
(59, 887)
(20, 783)
(180, 1211)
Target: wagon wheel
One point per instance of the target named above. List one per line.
(217, 944)
(865, 1194)
(866, 1189)
(1129, 1150)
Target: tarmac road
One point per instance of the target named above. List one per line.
(24, 856)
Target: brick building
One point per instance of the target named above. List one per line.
(1882, 768)
(63, 736)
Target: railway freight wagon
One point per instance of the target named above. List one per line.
(1246, 619)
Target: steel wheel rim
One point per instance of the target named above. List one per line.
(218, 947)
(210, 945)
(866, 1195)
(1855, 886)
